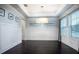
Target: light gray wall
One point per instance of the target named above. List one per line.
(42, 31)
(67, 39)
(10, 30)
(24, 28)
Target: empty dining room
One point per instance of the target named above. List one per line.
(39, 28)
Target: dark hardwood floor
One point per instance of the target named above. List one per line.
(41, 47)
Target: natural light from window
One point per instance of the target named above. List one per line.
(42, 20)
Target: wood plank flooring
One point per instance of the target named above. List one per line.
(41, 47)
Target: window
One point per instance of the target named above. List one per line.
(70, 25)
(63, 26)
(75, 24)
(63, 22)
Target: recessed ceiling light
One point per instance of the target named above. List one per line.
(25, 5)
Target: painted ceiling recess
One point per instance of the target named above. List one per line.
(34, 10)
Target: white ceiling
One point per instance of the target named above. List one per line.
(35, 10)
